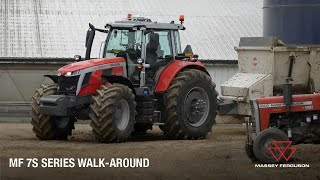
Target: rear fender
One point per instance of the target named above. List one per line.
(169, 73)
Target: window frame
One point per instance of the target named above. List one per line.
(172, 52)
(109, 36)
(175, 43)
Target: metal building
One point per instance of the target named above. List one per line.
(37, 36)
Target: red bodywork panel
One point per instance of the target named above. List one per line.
(95, 78)
(275, 105)
(88, 63)
(93, 85)
(171, 71)
(95, 81)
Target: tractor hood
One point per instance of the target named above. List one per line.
(297, 100)
(89, 63)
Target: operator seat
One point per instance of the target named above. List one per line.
(152, 48)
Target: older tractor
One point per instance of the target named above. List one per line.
(142, 79)
(278, 122)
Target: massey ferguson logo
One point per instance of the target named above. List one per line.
(282, 149)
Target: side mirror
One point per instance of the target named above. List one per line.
(89, 40)
(89, 32)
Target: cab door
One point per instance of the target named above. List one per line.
(159, 53)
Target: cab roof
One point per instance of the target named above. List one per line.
(147, 24)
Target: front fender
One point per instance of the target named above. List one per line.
(120, 79)
(54, 78)
(173, 69)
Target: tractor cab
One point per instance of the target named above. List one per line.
(148, 47)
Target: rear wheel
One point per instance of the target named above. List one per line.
(264, 141)
(113, 113)
(191, 105)
(49, 127)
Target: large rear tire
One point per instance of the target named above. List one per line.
(191, 105)
(264, 140)
(44, 126)
(113, 113)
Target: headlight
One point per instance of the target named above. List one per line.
(74, 73)
(68, 74)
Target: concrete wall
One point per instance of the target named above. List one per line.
(20, 77)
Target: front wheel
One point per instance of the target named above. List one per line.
(113, 113)
(264, 146)
(191, 105)
(49, 127)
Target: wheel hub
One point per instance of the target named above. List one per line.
(196, 106)
(122, 114)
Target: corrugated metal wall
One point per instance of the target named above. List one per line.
(220, 73)
(57, 28)
(45, 28)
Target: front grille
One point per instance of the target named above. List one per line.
(68, 85)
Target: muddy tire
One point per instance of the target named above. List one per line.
(264, 140)
(43, 125)
(112, 113)
(191, 105)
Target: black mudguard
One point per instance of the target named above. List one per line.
(118, 79)
(54, 78)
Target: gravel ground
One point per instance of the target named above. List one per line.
(219, 156)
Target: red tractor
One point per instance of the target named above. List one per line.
(282, 119)
(143, 79)
(278, 122)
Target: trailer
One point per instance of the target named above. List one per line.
(263, 64)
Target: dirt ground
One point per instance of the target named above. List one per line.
(220, 156)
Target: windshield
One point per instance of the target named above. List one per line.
(122, 40)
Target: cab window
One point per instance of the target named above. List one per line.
(158, 46)
(123, 40)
